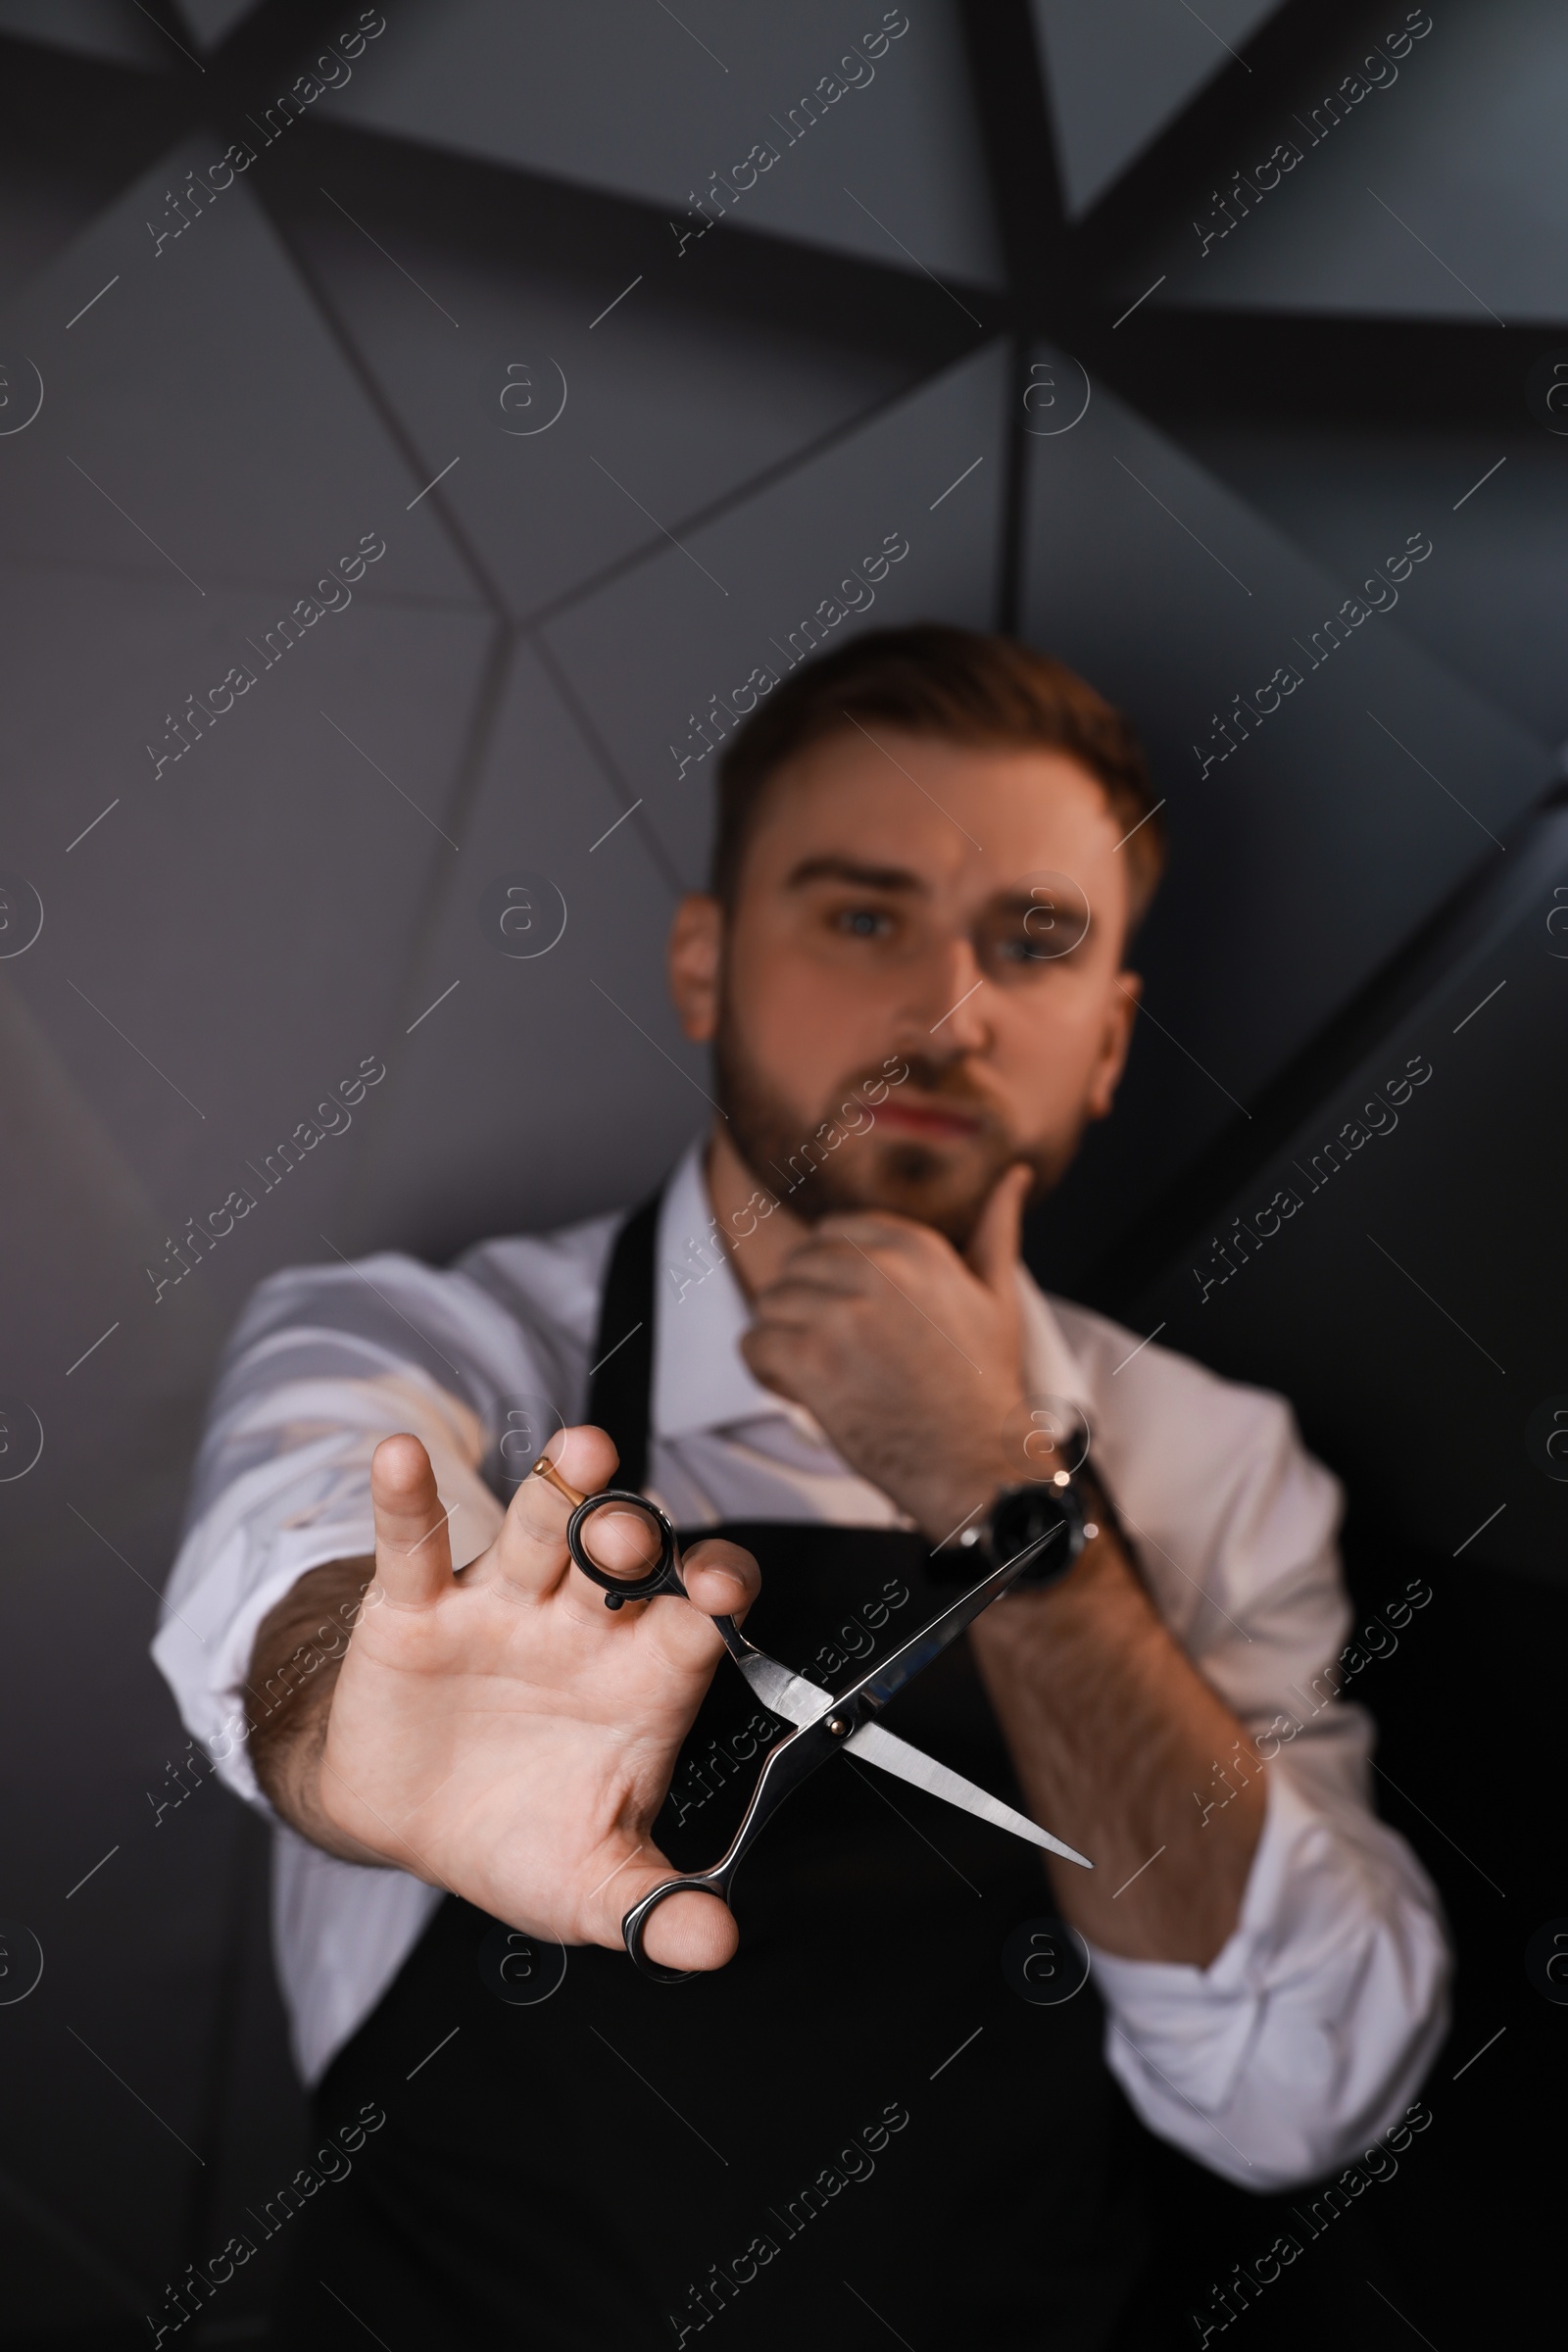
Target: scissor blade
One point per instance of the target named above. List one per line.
(879, 1684)
(877, 1747)
(783, 1693)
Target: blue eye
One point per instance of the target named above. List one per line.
(863, 922)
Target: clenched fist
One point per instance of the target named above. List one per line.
(908, 1355)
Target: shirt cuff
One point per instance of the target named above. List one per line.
(1320, 2013)
(1194, 2027)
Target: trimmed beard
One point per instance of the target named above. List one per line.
(815, 1177)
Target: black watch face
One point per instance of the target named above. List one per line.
(1032, 1520)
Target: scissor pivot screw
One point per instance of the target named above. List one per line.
(837, 1726)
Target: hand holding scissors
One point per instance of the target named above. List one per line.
(823, 1724)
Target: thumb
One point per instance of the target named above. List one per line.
(696, 1932)
(691, 1931)
(412, 1547)
(993, 1252)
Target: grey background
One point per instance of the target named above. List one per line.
(845, 357)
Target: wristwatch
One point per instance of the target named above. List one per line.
(1046, 1521)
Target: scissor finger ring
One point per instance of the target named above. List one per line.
(663, 1576)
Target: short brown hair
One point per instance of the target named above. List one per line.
(934, 680)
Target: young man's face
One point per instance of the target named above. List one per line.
(959, 907)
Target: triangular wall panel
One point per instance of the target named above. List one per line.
(1118, 70)
(658, 655)
(891, 168)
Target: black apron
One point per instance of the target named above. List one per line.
(857, 2126)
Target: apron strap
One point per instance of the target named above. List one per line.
(621, 1384)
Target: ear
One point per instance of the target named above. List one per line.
(695, 946)
(1121, 1011)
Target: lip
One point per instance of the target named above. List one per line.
(923, 1120)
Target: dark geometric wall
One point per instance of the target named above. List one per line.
(402, 512)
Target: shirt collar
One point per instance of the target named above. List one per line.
(701, 1381)
(1051, 1368)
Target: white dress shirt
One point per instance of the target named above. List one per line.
(1289, 2054)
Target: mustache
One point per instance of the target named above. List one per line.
(950, 1081)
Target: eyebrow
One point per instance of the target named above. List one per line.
(1017, 901)
(1020, 905)
(850, 869)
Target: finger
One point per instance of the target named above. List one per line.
(624, 1542)
(413, 1546)
(776, 1354)
(868, 1229)
(862, 1246)
(720, 1580)
(530, 1551)
(690, 1931)
(793, 1303)
(993, 1250)
(831, 1263)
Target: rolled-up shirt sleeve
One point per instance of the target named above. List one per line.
(1308, 2033)
(1312, 2028)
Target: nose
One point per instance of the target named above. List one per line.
(948, 1014)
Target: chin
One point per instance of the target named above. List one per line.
(933, 1186)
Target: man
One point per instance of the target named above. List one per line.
(931, 849)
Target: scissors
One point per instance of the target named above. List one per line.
(823, 1724)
